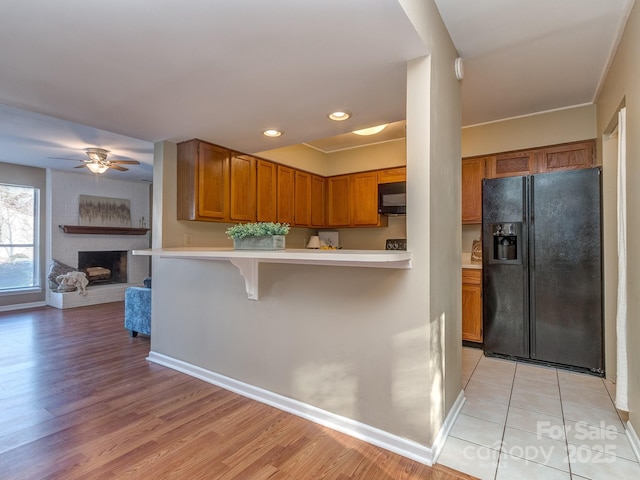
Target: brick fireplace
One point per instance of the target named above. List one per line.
(125, 269)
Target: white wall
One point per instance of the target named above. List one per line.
(622, 87)
(539, 130)
(64, 189)
(357, 342)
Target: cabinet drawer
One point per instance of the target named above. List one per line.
(471, 276)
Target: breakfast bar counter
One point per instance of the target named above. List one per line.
(248, 261)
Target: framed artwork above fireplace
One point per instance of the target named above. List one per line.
(103, 211)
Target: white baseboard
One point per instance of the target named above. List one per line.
(21, 306)
(380, 438)
(441, 438)
(633, 440)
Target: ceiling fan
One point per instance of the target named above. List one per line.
(97, 161)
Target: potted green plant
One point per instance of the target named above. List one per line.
(258, 235)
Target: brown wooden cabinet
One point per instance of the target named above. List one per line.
(472, 305)
(318, 201)
(266, 191)
(242, 203)
(569, 156)
(473, 171)
(512, 164)
(339, 201)
(203, 181)
(302, 199)
(391, 175)
(217, 184)
(352, 201)
(284, 204)
(553, 158)
(364, 199)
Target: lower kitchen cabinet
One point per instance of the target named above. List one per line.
(472, 305)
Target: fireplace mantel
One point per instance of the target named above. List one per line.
(93, 230)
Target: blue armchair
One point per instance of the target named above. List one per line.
(137, 309)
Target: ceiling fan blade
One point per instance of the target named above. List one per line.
(126, 162)
(62, 158)
(80, 166)
(118, 167)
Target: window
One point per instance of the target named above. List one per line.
(19, 221)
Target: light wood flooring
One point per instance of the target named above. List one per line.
(78, 400)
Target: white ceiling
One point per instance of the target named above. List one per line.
(121, 75)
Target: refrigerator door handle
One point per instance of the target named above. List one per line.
(531, 263)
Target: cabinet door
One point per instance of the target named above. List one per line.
(471, 305)
(473, 171)
(512, 164)
(317, 201)
(364, 199)
(266, 191)
(302, 199)
(566, 157)
(338, 201)
(213, 181)
(391, 175)
(243, 188)
(285, 194)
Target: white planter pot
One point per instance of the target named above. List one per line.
(270, 242)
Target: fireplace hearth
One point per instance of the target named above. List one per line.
(104, 267)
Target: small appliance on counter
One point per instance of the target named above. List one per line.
(396, 244)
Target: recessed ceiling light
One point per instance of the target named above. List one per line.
(339, 116)
(272, 133)
(370, 130)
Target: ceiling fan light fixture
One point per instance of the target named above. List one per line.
(370, 130)
(97, 167)
(97, 154)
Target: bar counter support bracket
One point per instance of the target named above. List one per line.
(249, 270)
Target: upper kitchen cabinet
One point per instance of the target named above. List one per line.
(570, 156)
(338, 201)
(553, 158)
(203, 181)
(512, 164)
(242, 188)
(285, 195)
(266, 191)
(352, 201)
(473, 171)
(392, 175)
(302, 199)
(215, 184)
(318, 201)
(364, 199)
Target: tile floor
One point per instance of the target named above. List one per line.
(522, 421)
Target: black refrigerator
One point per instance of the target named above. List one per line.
(542, 269)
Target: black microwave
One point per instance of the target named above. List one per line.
(392, 198)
